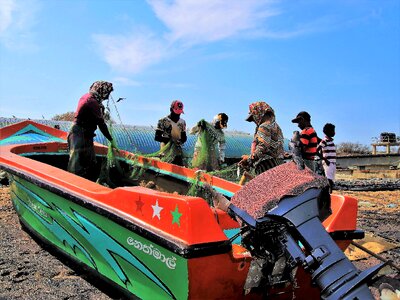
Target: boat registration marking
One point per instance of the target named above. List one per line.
(36, 208)
(150, 250)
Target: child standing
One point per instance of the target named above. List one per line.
(327, 151)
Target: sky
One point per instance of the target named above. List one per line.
(339, 60)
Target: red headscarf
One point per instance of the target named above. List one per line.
(258, 109)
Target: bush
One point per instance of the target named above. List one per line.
(352, 148)
(68, 116)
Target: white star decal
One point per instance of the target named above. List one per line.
(157, 210)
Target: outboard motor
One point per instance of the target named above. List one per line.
(291, 234)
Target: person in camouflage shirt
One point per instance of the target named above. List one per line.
(267, 147)
(172, 129)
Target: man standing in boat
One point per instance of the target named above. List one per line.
(88, 116)
(171, 133)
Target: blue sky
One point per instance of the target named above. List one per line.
(339, 60)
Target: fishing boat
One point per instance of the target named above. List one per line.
(161, 244)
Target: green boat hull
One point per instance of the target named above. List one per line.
(135, 264)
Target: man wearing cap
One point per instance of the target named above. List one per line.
(309, 141)
(267, 147)
(172, 128)
(209, 150)
(88, 116)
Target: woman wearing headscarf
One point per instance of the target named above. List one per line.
(267, 147)
(88, 116)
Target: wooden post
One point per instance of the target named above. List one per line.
(373, 149)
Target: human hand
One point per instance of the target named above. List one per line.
(246, 162)
(221, 163)
(287, 155)
(219, 201)
(113, 145)
(244, 158)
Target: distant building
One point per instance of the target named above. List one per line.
(387, 139)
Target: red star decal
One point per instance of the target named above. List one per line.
(139, 205)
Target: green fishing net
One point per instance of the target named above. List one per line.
(165, 154)
(229, 173)
(111, 162)
(197, 189)
(205, 155)
(111, 167)
(111, 170)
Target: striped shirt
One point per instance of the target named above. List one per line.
(309, 140)
(328, 149)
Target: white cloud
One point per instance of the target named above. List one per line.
(189, 22)
(192, 22)
(7, 8)
(130, 53)
(124, 81)
(17, 18)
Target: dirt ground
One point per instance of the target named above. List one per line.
(378, 214)
(27, 271)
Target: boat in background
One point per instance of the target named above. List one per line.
(151, 244)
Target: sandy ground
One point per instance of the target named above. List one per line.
(27, 271)
(378, 215)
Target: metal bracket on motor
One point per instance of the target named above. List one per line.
(316, 256)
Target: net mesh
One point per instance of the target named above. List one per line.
(205, 159)
(205, 156)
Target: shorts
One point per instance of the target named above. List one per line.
(330, 171)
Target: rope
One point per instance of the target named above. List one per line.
(386, 261)
(122, 125)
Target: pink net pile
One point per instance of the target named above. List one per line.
(263, 193)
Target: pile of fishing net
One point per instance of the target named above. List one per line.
(206, 157)
(112, 165)
(263, 193)
(112, 170)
